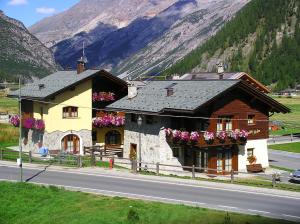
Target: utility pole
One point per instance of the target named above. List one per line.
(20, 133)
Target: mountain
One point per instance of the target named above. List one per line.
(21, 52)
(133, 36)
(263, 40)
(86, 15)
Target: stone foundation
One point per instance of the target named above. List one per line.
(52, 140)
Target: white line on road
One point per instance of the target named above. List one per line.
(253, 210)
(161, 182)
(225, 206)
(292, 216)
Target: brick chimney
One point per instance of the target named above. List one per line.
(80, 65)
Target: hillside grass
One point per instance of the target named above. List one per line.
(289, 147)
(9, 135)
(8, 105)
(27, 203)
(291, 121)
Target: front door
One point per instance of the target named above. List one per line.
(70, 144)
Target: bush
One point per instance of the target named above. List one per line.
(133, 216)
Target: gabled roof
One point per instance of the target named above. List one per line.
(188, 96)
(227, 75)
(60, 81)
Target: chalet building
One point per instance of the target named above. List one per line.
(214, 124)
(57, 110)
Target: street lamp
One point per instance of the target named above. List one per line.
(139, 122)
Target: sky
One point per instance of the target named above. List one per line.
(31, 11)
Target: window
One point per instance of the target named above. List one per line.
(224, 123)
(113, 138)
(250, 152)
(149, 119)
(70, 143)
(134, 118)
(70, 112)
(251, 119)
(220, 125)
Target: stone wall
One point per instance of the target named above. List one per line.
(154, 146)
(53, 140)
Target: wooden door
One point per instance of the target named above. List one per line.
(133, 151)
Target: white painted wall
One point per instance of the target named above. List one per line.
(260, 147)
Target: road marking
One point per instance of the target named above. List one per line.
(157, 181)
(292, 216)
(253, 210)
(225, 206)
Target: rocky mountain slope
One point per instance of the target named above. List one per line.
(195, 26)
(263, 39)
(88, 14)
(21, 52)
(133, 36)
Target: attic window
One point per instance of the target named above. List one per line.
(41, 86)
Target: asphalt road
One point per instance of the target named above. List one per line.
(284, 159)
(283, 207)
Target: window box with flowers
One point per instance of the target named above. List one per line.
(103, 97)
(108, 120)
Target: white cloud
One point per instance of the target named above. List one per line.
(17, 2)
(45, 10)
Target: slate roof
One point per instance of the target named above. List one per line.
(188, 95)
(55, 83)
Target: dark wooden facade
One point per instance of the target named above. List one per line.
(239, 105)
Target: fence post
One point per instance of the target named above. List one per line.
(1, 154)
(273, 139)
(232, 176)
(93, 162)
(273, 180)
(79, 161)
(100, 154)
(157, 168)
(30, 157)
(134, 165)
(291, 137)
(193, 171)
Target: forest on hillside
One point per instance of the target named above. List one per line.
(274, 57)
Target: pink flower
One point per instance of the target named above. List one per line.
(243, 134)
(234, 134)
(194, 136)
(108, 120)
(29, 123)
(15, 120)
(221, 135)
(208, 136)
(176, 134)
(185, 136)
(39, 124)
(103, 96)
(168, 132)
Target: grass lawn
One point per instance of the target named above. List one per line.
(27, 203)
(291, 121)
(9, 135)
(8, 105)
(289, 147)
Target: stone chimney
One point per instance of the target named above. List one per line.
(132, 91)
(220, 70)
(170, 91)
